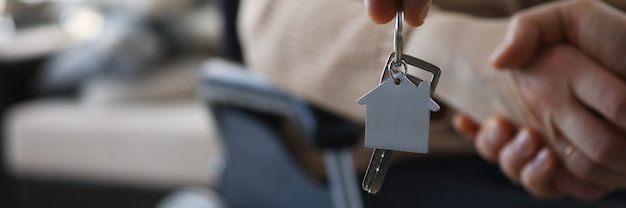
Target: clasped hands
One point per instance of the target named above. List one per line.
(564, 64)
(571, 75)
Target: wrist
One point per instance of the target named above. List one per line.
(461, 45)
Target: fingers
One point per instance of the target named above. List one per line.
(562, 111)
(584, 169)
(525, 160)
(598, 29)
(464, 125)
(593, 137)
(593, 26)
(604, 93)
(537, 174)
(383, 11)
(521, 150)
(527, 30)
(415, 11)
(490, 139)
(601, 90)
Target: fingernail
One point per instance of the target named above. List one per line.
(492, 130)
(523, 144)
(541, 162)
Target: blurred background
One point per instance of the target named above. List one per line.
(147, 103)
(99, 102)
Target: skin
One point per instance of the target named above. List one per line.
(597, 42)
(582, 23)
(525, 159)
(555, 79)
(383, 11)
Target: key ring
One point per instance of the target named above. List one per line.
(397, 46)
(390, 69)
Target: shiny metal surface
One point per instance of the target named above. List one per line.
(398, 39)
(376, 170)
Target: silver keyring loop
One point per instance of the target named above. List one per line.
(398, 38)
(394, 64)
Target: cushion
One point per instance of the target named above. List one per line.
(157, 144)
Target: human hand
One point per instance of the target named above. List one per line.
(524, 158)
(593, 26)
(599, 31)
(555, 93)
(559, 93)
(383, 11)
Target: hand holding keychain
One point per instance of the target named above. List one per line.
(398, 111)
(383, 11)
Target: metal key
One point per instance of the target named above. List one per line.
(381, 158)
(376, 170)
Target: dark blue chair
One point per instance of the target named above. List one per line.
(260, 171)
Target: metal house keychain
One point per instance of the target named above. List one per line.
(398, 111)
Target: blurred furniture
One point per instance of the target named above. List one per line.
(248, 111)
(128, 151)
(230, 47)
(16, 79)
(260, 169)
(110, 142)
(150, 147)
(20, 61)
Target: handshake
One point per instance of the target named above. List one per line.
(560, 126)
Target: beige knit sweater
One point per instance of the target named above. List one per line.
(330, 53)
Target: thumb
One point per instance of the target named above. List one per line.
(519, 46)
(593, 26)
(528, 30)
(381, 11)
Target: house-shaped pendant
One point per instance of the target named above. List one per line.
(398, 114)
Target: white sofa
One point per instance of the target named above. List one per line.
(148, 132)
(162, 144)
